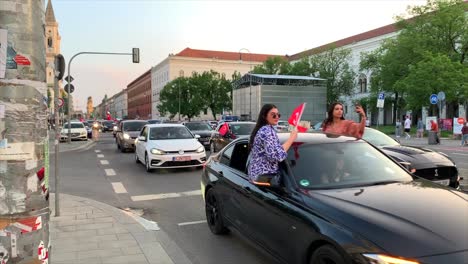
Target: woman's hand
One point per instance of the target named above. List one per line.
(293, 135)
(360, 110)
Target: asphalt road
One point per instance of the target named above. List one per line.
(104, 174)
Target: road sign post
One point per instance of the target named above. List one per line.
(380, 105)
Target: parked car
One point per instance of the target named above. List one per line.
(374, 212)
(219, 138)
(282, 126)
(168, 146)
(126, 134)
(213, 124)
(77, 131)
(432, 165)
(200, 128)
(154, 121)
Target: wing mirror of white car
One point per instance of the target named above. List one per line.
(197, 136)
(141, 138)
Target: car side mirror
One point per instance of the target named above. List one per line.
(406, 164)
(197, 136)
(141, 138)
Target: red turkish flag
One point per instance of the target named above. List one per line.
(108, 117)
(295, 117)
(224, 129)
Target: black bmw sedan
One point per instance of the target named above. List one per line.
(431, 165)
(340, 200)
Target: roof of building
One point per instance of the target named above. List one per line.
(145, 74)
(50, 16)
(275, 79)
(225, 55)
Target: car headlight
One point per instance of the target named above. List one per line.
(200, 149)
(383, 259)
(158, 152)
(126, 136)
(115, 128)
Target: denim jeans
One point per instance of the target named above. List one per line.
(464, 139)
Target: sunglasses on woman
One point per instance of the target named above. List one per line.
(276, 115)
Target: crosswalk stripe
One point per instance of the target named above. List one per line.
(100, 155)
(118, 187)
(110, 172)
(104, 162)
(164, 195)
(192, 223)
(97, 150)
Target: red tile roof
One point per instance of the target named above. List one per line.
(224, 55)
(346, 41)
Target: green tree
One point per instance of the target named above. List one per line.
(216, 91)
(273, 65)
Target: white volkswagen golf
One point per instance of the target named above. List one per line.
(168, 146)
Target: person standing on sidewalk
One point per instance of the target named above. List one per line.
(435, 128)
(464, 139)
(420, 129)
(408, 127)
(397, 128)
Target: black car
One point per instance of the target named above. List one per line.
(339, 200)
(219, 138)
(426, 163)
(107, 125)
(201, 128)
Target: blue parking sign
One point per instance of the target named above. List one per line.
(433, 99)
(381, 96)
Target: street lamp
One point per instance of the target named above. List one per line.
(250, 81)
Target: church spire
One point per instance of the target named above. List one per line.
(50, 16)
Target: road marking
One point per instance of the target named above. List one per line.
(462, 154)
(97, 150)
(100, 155)
(192, 223)
(118, 187)
(164, 195)
(110, 172)
(104, 162)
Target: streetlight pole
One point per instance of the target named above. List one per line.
(250, 82)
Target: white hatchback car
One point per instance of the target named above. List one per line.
(168, 146)
(77, 131)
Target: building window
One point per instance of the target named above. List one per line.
(362, 83)
(49, 42)
(181, 73)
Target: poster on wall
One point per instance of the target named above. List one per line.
(428, 121)
(3, 51)
(445, 124)
(457, 126)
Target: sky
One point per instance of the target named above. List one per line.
(159, 28)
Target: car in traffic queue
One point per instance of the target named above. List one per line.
(203, 129)
(227, 132)
(429, 164)
(126, 134)
(168, 146)
(77, 131)
(339, 200)
(107, 125)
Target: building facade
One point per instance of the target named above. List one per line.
(188, 61)
(120, 105)
(139, 97)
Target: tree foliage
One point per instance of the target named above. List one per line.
(273, 65)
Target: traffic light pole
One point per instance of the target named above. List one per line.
(136, 59)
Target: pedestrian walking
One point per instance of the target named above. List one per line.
(336, 123)
(398, 128)
(420, 129)
(266, 149)
(407, 127)
(435, 129)
(464, 140)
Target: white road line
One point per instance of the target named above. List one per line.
(462, 154)
(118, 187)
(104, 162)
(110, 172)
(164, 195)
(192, 223)
(100, 155)
(97, 151)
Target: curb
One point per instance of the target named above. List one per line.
(157, 247)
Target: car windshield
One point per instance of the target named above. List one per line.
(163, 133)
(108, 123)
(241, 129)
(198, 126)
(378, 138)
(74, 125)
(133, 126)
(341, 165)
(154, 121)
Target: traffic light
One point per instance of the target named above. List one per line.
(136, 55)
(59, 66)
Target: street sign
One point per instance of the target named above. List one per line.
(69, 88)
(60, 102)
(441, 96)
(433, 99)
(381, 100)
(69, 79)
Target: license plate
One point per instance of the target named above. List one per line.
(443, 182)
(206, 143)
(182, 158)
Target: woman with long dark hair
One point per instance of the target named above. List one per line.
(335, 122)
(266, 149)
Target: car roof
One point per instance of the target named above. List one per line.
(315, 138)
(134, 120)
(165, 125)
(240, 122)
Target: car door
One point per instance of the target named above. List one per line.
(141, 145)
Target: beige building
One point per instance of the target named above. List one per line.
(189, 60)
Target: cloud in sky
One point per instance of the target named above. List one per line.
(162, 27)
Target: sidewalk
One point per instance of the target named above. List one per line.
(66, 147)
(413, 141)
(91, 232)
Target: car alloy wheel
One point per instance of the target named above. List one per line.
(327, 255)
(213, 216)
(147, 163)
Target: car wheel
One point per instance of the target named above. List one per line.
(213, 215)
(327, 255)
(147, 164)
(212, 147)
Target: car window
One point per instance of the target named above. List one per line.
(144, 132)
(239, 156)
(241, 129)
(74, 125)
(198, 126)
(133, 126)
(339, 165)
(226, 156)
(165, 133)
(378, 138)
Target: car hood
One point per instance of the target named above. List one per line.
(417, 155)
(132, 134)
(202, 133)
(73, 130)
(401, 218)
(190, 144)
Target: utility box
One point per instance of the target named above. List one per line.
(252, 91)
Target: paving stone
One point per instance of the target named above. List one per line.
(125, 259)
(126, 236)
(117, 244)
(100, 253)
(114, 230)
(96, 226)
(132, 250)
(80, 233)
(103, 219)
